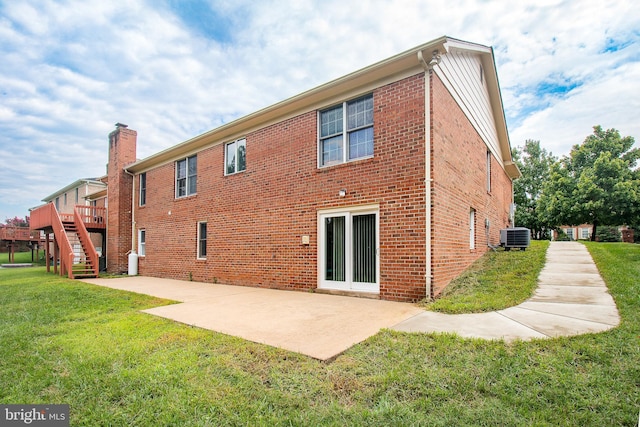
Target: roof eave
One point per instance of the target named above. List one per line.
(398, 66)
(72, 186)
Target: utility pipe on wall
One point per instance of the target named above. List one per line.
(133, 211)
(428, 69)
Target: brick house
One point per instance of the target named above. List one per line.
(585, 231)
(387, 182)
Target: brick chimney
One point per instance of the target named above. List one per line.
(122, 152)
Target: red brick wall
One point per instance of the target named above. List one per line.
(256, 218)
(460, 184)
(122, 151)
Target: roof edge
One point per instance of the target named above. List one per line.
(74, 184)
(393, 66)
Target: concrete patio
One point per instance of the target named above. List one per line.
(571, 299)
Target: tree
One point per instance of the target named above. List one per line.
(17, 222)
(535, 164)
(598, 183)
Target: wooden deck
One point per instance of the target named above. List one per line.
(93, 217)
(22, 234)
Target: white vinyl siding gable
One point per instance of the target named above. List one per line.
(463, 75)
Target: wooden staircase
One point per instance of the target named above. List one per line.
(82, 266)
(73, 247)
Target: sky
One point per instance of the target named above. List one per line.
(173, 69)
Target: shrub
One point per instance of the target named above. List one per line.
(608, 234)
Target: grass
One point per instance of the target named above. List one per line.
(495, 281)
(22, 258)
(63, 341)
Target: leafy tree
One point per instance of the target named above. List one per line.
(596, 184)
(17, 222)
(535, 164)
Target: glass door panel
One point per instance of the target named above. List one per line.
(334, 231)
(364, 248)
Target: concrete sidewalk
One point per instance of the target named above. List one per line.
(571, 299)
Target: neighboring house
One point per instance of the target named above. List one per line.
(74, 194)
(387, 182)
(576, 232)
(585, 231)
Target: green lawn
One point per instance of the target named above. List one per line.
(498, 280)
(62, 341)
(23, 258)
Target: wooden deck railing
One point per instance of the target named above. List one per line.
(47, 217)
(92, 216)
(40, 217)
(85, 239)
(18, 233)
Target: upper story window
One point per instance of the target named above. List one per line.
(346, 131)
(143, 189)
(77, 195)
(186, 176)
(235, 157)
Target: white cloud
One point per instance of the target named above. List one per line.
(73, 69)
(610, 102)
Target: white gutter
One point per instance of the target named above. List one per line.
(428, 69)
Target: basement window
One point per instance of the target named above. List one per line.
(202, 240)
(488, 171)
(142, 242)
(472, 229)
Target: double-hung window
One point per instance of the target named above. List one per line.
(202, 240)
(143, 189)
(346, 131)
(235, 157)
(142, 242)
(186, 176)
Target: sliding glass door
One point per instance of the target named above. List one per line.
(349, 251)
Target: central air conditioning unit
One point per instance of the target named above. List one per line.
(516, 237)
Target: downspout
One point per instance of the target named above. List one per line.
(133, 212)
(428, 69)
